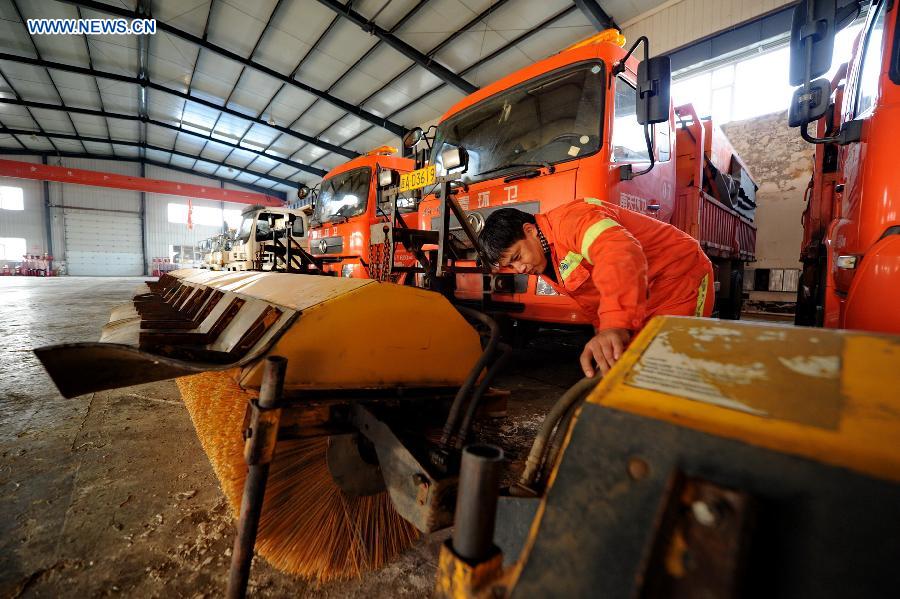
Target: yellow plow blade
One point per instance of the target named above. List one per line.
(337, 333)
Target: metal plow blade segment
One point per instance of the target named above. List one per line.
(335, 332)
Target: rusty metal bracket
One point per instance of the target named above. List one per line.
(419, 495)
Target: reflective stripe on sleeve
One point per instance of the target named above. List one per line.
(594, 201)
(591, 235)
(701, 296)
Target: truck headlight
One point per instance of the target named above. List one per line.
(544, 288)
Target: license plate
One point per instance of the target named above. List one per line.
(417, 179)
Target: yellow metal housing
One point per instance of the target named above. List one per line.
(827, 395)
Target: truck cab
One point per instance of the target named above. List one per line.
(348, 216)
(562, 129)
(851, 248)
(264, 231)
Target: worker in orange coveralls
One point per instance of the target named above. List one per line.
(621, 267)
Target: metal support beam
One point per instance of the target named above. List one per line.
(190, 84)
(143, 75)
(116, 158)
(37, 53)
(206, 44)
(403, 20)
(130, 117)
(241, 74)
(598, 17)
(48, 217)
(498, 4)
(135, 144)
(426, 62)
(471, 23)
(77, 176)
(89, 72)
(511, 44)
(144, 250)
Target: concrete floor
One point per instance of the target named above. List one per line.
(111, 494)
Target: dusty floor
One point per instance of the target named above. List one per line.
(111, 494)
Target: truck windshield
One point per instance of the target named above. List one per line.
(243, 234)
(343, 195)
(549, 119)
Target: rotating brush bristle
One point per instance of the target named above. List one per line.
(308, 526)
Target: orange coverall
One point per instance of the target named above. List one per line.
(623, 268)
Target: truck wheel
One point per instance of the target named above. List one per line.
(730, 307)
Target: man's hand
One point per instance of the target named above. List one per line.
(604, 349)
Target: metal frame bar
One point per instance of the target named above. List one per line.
(37, 53)
(472, 22)
(241, 74)
(292, 75)
(545, 23)
(139, 145)
(130, 117)
(90, 72)
(348, 107)
(87, 48)
(423, 60)
(194, 72)
(410, 14)
(80, 176)
(114, 158)
(143, 52)
(598, 17)
(30, 114)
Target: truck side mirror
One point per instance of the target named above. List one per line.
(297, 228)
(654, 85)
(453, 157)
(303, 192)
(412, 137)
(812, 39)
(809, 106)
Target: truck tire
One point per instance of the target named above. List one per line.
(730, 307)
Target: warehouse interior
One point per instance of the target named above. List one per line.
(168, 224)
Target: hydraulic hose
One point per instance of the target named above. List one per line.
(505, 351)
(486, 358)
(572, 396)
(555, 445)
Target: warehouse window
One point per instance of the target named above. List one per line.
(200, 215)
(12, 248)
(232, 218)
(11, 198)
(752, 85)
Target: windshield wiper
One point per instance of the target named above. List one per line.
(550, 168)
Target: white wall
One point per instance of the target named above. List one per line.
(160, 234)
(27, 223)
(680, 22)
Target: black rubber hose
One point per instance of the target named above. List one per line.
(505, 352)
(556, 441)
(486, 358)
(536, 456)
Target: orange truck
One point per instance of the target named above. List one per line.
(566, 128)
(851, 225)
(347, 227)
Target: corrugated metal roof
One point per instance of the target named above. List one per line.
(295, 103)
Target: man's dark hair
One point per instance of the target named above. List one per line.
(501, 230)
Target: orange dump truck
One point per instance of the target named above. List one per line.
(851, 242)
(567, 128)
(347, 223)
